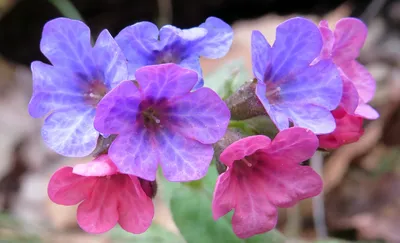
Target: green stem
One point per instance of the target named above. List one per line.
(67, 9)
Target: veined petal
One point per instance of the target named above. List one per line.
(292, 146)
(254, 214)
(350, 98)
(136, 153)
(193, 62)
(181, 158)
(70, 132)
(328, 39)
(361, 78)
(261, 56)
(366, 111)
(66, 43)
(111, 63)
(319, 84)
(244, 147)
(67, 188)
(218, 40)
(54, 89)
(298, 42)
(99, 213)
(205, 121)
(350, 35)
(138, 43)
(165, 81)
(135, 208)
(224, 197)
(117, 111)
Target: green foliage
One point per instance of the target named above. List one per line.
(155, 233)
(228, 78)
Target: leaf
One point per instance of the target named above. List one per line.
(228, 78)
(156, 233)
(273, 236)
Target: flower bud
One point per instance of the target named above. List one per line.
(244, 103)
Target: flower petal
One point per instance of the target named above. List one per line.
(99, 213)
(224, 197)
(292, 146)
(366, 111)
(218, 40)
(254, 214)
(350, 97)
(350, 35)
(348, 130)
(71, 132)
(319, 84)
(276, 114)
(165, 80)
(199, 115)
(100, 166)
(361, 78)
(193, 62)
(298, 42)
(66, 43)
(66, 188)
(110, 61)
(118, 109)
(138, 43)
(319, 120)
(289, 184)
(261, 56)
(181, 158)
(136, 153)
(243, 147)
(328, 39)
(53, 89)
(136, 210)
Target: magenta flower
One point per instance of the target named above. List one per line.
(288, 87)
(160, 121)
(68, 91)
(263, 175)
(343, 46)
(105, 196)
(349, 129)
(143, 44)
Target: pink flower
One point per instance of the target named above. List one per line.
(263, 175)
(105, 196)
(343, 46)
(348, 130)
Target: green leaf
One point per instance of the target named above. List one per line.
(156, 233)
(191, 210)
(228, 78)
(273, 236)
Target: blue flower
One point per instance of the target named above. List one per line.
(144, 44)
(160, 121)
(67, 92)
(289, 88)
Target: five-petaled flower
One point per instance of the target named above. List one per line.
(106, 196)
(160, 121)
(144, 44)
(69, 90)
(349, 128)
(287, 86)
(343, 46)
(263, 175)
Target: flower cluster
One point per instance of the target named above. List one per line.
(142, 91)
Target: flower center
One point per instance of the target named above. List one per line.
(150, 117)
(273, 94)
(95, 93)
(167, 57)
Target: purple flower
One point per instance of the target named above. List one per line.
(160, 121)
(143, 44)
(70, 89)
(288, 87)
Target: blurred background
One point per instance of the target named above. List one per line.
(362, 180)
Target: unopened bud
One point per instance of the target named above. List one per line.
(244, 103)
